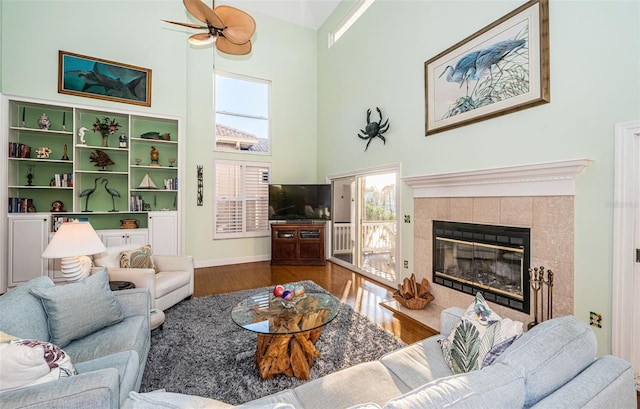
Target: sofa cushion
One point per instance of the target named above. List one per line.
(551, 354)
(418, 363)
(367, 382)
(170, 400)
(606, 383)
(79, 309)
(137, 258)
(127, 363)
(129, 334)
(169, 281)
(110, 258)
(26, 362)
(497, 386)
(286, 396)
(478, 332)
(22, 313)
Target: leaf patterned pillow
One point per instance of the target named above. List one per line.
(478, 338)
(139, 258)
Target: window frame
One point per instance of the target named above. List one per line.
(243, 198)
(247, 78)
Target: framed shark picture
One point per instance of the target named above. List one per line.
(103, 79)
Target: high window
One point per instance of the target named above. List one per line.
(241, 113)
(346, 23)
(241, 199)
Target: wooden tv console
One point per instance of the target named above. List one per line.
(298, 244)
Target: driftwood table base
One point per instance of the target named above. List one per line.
(287, 354)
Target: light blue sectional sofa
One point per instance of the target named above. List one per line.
(110, 361)
(553, 365)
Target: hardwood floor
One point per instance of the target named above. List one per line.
(362, 294)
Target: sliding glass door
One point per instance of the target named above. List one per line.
(365, 225)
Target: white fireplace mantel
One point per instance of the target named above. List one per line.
(539, 179)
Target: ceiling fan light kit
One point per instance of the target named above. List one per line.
(230, 28)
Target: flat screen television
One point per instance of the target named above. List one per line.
(299, 202)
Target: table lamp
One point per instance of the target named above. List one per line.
(72, 243)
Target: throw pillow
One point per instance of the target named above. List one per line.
(138, 258)
(79, 309)
(110, 258)
(26, 362)
(478, 338)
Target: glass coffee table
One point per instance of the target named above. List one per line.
(287, 331)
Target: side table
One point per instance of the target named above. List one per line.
(156, 318)
(121, 285)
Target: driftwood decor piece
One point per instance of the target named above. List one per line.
(290, 354)
(413, 295)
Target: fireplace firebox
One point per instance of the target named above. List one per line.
(491, 259)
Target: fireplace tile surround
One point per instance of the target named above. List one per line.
(549, 218)
(539, 197)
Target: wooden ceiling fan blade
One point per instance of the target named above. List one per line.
(240, 26)
(186, 24)
(204, 13)
(202, 39)
(226, 46)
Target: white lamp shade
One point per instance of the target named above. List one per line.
(74, 239)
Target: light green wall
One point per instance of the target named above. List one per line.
(285, 54)
(595, 61)
(182, 84)
(320, 98)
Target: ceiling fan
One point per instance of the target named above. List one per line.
(230, 28)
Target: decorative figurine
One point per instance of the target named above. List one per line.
(155, 155)
(81, 132)
(64, 155)
(88, 193)
(122, 140)
(374, 129)
(101, 159)
(43, 152)
(44, 122)
(30, 176)
(114, 193)
(57, 206)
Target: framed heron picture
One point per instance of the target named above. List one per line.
(103, 79)
(498, 70)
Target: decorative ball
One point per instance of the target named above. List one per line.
(299, 290)
(287, 295)
(278, 290)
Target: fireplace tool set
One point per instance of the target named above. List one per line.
(538, 282)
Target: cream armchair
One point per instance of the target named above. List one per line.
(171, 284)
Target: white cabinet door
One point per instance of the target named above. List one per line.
(112, 238)
(163, 233)
(28, 237)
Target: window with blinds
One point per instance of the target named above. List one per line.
(241, 199)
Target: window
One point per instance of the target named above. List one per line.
(348, 21)
(241, 199)
(241, 113)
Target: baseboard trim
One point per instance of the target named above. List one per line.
(228, 261)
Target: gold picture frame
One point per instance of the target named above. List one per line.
(92, 77)
(501, 69)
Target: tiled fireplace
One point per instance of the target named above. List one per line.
(537, 198)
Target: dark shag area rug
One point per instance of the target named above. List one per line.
(201, 351)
